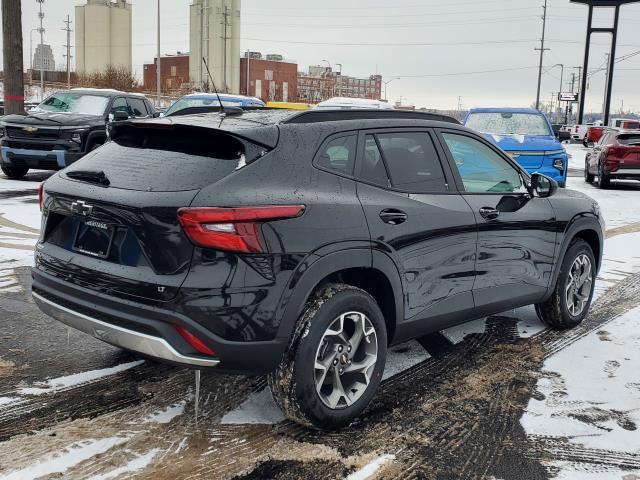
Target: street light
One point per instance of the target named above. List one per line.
(561, 77)
(386, 83)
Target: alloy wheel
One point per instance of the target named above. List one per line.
(345, 360)
(578, 286)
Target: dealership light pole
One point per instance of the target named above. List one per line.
(41, 30)
(542, 50)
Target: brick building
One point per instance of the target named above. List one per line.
(322, 83)
(269, 78)
(174, 71)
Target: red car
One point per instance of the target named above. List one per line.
(615, 156)
(593, 136)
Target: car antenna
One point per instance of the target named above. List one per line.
(222, 112)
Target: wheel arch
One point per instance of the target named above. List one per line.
(586, 228)
(375, 273)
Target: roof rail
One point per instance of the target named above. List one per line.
(317, 116)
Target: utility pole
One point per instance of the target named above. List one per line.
(68, 45)
(225, 37)
(158, 60)
(579, 87)
(459, 103)
(542, 50)
(41, 30)
(606, 92)
(248, 70)
(12, 57)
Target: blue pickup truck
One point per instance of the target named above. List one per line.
(526, 135)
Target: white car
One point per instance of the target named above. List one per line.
(345, 103)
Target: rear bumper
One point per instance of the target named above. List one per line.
(39, 159)
(630, 173)
(121, 337)
(148, 329)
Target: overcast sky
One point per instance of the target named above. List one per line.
(435, 46)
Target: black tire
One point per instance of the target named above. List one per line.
(293, 383)
(555, 312)
(588, 177)
(603, 179)
(14, 173)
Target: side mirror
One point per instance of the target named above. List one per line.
(590, 144)
(156, 114)
(564, 136)
(118, 116)
(543, 186)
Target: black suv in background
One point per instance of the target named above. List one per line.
(64, 127)
(304, 244)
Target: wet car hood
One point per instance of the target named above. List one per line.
(52, 119)
(522, 143)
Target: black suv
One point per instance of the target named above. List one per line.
(304, 244)
(63, 128)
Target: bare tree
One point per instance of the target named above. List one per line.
(12, 56)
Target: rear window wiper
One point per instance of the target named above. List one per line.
(91, 176)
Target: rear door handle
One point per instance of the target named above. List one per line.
(489, 213)
(393, 217)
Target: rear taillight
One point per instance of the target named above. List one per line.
(40, 195)
(194, 341)
(233, 229)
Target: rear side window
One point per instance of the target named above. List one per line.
(412, 162)
(338, 154)
(138, 108)
(630, 139)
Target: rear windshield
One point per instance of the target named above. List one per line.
(164, 160)
(632, 139)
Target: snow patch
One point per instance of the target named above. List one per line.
(134, 465)
(69, 457)
(371, 468)
(456, 334)
(258, 408)
(62, 383)
(402, 357)
(589, 390)
(168, 414)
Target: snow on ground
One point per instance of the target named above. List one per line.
(67, 458)
(591, 393)
(369, 470)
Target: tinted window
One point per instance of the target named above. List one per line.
(120, 105)
(412, 162)
(138, 108)
(372, 169)
(482, 170)
(629, 139)
(339, 154)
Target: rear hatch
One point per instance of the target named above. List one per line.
(111, 218)
(629, 151)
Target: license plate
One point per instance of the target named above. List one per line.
(94, 238)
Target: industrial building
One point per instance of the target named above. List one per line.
(103, 35)
(321, 83)
(214, 33)
(43, 58)
(271, 78)
(174, 72)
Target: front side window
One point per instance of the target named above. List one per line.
(507, 123)
(120, 105)
(482, 170)
(339, 154)
(138, 108)
(72, 102)
(412, 162)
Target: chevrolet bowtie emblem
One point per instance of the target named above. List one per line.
(80, 208)
(30, 129)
